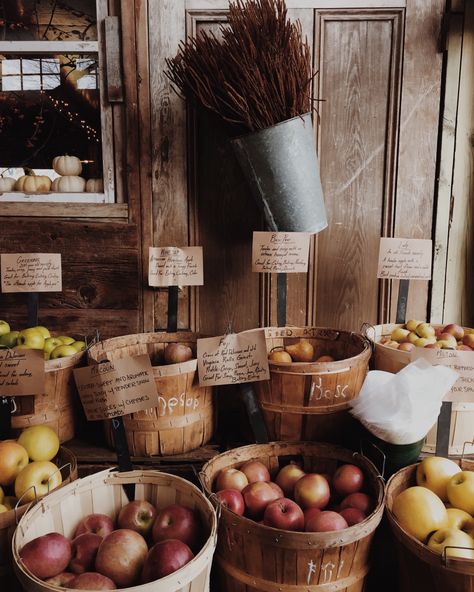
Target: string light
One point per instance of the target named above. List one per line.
(73, 117)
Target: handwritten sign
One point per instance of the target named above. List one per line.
(233, 358)
(404, 259)
(461, 362)
(174, 266)
(113, 389)
(21, 372)
(31, 272)
(280, 252)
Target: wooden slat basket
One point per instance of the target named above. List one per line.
(310, 400)
(252, 557)
(104, 493)
(57, 406)
(184, 419)
(462, 414)
(66, 462)
(420, 568)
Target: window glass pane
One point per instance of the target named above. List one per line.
(49, 20)
(51, 108)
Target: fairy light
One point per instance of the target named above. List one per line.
(73, 117)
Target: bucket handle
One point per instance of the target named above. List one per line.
(58, 470)
(446, 558)
(364, 329)
(383, 456)
(218, 508)
(18, 503)
(468, 443)
(203, 480)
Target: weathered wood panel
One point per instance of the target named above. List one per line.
(358, 55)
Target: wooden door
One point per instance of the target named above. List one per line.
(376, 128)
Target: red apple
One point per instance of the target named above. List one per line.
(312, 491)
(353, 515)
(455, 330)
(138, 515)
(257, 496)
(447, 341)
(92, 580)
(276, 488)
(347, 479)
(46, 556)
(164, 558)
(284, 513)
(326, 521)
(358, 500)
(121, 556)
(232, 500)
(309, 513)
(231, 479)
(468, 340)
(84, 550)
(100, 524)
(61, 580)
(255, 471)
(178, 522)
(433, 346)
(406, 346)
(287, 477)
(463, 347)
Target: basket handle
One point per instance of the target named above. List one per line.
(18, 503)
(364, 330)
(377, 449)
(58, 470)
(203, 480)
(446, 558)
(215, 501)
(471, 443)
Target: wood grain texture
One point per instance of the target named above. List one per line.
(419, 119)
(113, 59)
(358, 57)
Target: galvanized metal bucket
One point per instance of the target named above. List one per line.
(281, 167)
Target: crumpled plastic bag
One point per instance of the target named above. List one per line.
(401, 408)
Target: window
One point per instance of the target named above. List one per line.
(51, 97)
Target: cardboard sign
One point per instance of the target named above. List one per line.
(21, 372)
(461, 362)
(405, 259)
(31, 272)
(233, 358)
(113, 389)
(174, 266)
(280, 252)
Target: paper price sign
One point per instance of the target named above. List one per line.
(404, 259)
(174, 266)
(233, 358)
(31, 272)
(461, 362)
(113, 389)
(21, 372)
(280, 252)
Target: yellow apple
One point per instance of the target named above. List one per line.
(79, 345)
(40, 441)
(31, 338)
(451, 539)
(37, 479)
(4, 327)
(461, 520)
(66, 340)
(412, 337)
(13, 458)
(9, 339)
(434, 472)
(411, 325)
(2, 495)
(44, 332)
(280, 355)
(425, 330)
(424, 341)
(3, 508)
(392, 344)
(50, 343)
(419, 511)
(62, 351)
(460, 490)
(399, 334)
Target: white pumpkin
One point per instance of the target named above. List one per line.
(95, 186)
(67, 165)
(70, 184)
(33, 184)
(54, 184)
(7, 184)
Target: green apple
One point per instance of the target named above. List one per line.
(50, 343)
(9, 339)
(79, 345)
(44, 332)
(66, 340)
(4, 327)
(31, 338)
(62, 351)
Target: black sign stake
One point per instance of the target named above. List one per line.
(402, 301)
(443, 430)
(123, 453)
(172, 309)
(254, 414)
(281, 299)
(5, 418)
(33, 306)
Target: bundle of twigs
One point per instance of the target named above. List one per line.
(255, 74)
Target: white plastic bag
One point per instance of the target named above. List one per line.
(401, 408)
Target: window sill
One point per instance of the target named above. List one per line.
(83, 197)
(61, 205)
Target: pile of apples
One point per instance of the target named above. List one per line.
(144, 545)
(418, 334)
(26, 468)
(439, 510)
(39, 337)
(296, 500)
(301, 351)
